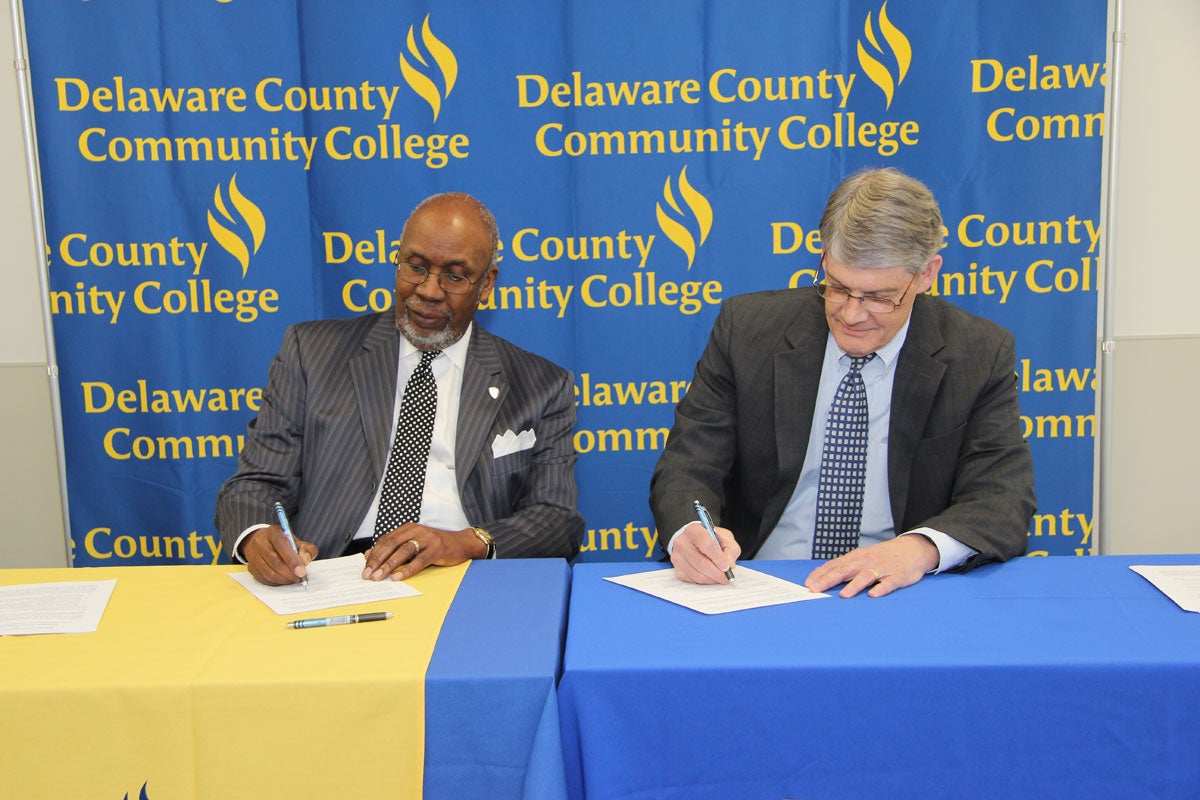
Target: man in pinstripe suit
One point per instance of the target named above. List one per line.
(948, 476)
(500, 477)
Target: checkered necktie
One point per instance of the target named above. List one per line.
(843, 467)
(404, 480)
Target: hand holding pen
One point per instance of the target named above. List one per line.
(281, 515)
(271, 558)
(706, 521)
(699, 554)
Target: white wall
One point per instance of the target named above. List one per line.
(32, 531)
(1156, 299)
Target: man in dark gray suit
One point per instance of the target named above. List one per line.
(499, 477)
(948, 477)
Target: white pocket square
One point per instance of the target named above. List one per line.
(509, 442)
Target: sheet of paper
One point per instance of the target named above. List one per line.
(753, 589)
(331, 582)
(1179, 582)
(61, 607)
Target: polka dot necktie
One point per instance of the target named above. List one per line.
(843, 467)
(404, 479)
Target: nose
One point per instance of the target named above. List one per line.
(853, 311)
(431, 288)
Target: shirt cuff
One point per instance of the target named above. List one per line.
(951, 552)
(237, 545)
(674, 536)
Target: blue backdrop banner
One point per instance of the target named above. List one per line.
(216, 170)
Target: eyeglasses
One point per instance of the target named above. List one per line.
(451, 282)
(873, 304)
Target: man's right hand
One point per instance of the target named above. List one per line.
(270, 557)
(698, 559)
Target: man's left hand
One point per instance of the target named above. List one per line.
(405, 551)
(884, 567)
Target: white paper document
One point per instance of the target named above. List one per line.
(61, 607)
(1180, 582)
(331, 582)
(752, 589)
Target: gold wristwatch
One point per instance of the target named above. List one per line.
(487, 539)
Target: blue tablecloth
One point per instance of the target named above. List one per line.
(1040, 678)
(491, 713)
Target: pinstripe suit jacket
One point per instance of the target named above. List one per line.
(956, 459)
(320, 441)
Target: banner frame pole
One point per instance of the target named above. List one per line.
(34, 174)
(1107, 299)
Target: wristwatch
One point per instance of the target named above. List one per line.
(487, 539)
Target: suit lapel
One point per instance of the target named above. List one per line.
(373, 370)
(918, 378)
(477, 406)
(797, 372)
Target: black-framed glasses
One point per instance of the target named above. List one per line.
(872, 303)
(451, 283)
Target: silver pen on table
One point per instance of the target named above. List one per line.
(706, 521)
(281, 515)
(346, 619)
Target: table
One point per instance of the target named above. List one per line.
(491, 721)
(1044, 677)
(139, 703)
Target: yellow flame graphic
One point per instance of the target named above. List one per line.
(256, 223)
(900, 47)
(442, 55)
(701, 210)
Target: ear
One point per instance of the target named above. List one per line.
(929, 274)
(487, 283)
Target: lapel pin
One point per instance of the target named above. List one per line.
(494, 392)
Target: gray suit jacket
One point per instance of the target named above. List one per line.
(956, 459)
(320, 441)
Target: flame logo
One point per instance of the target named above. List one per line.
(442, 55)
(701, 211)
(256, 223)
(142, 795)
(900, 47)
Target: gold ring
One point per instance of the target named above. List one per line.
(875, 573)
(416, 546)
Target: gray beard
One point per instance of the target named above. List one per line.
(423, 341)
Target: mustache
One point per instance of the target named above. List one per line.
(427, 310)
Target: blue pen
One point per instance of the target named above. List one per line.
(706, 521)
(348, 619)
(281, 515)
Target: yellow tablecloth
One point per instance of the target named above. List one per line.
(191, 688)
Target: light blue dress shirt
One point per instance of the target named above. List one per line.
(793, 535)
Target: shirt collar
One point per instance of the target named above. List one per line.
(885, 355)
(457, 352)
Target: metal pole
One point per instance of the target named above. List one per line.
(21, 64)
(1107, 303)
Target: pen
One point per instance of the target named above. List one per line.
(281, 515)
(348, 619)
(706, 521)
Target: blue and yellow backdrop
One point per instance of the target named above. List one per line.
(214, 171)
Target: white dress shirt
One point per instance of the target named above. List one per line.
(441, 506)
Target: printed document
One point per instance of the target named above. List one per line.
(60, 607)
(753, 589)
(1181, 583)
(331, 582)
